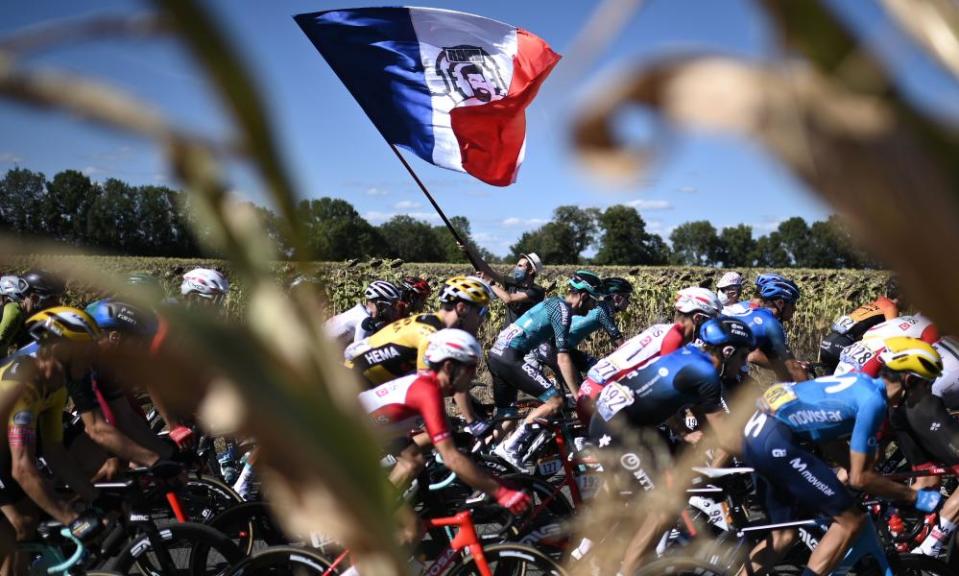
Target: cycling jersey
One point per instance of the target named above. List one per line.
(649, 396)
(580, 328)
(36, 410)
(865, 317)
(10, 324)
(550, 318)
(947, 385)
(737, 308)
(399, 405)
(830, 407)
(535, 294)
(396, 350)
(768, 330)
(925, 431)
(863, 356)
(348, 326)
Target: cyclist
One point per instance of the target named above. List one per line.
(631, 408)
(792, 416)
(414, 292)
(550, 319)
(617, 291)
(397, 406)
(863, 356)
(399, 348)
(38, 290)
(693, 306)
(729, 288)
(108, 418)
(35, 425)
(849, 329)
(12, 291)
(947, 385)
(365, 318)
(776, 305)
(733, 308)
(518, 289)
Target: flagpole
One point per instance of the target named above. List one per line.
(432, 200)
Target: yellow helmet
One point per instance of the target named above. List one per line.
(905, 354)
(462, 288)
(63, 322)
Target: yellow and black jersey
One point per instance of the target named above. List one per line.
(35, 412)
(395, 350)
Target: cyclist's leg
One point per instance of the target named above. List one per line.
(519, 374)
(23, 517)
(409, 463)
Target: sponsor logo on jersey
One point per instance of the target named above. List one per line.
(381, 355)
(23, 418)
(778, 453)
(664, 372)
(803, 417)
(808, 476)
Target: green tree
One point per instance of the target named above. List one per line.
(796, 240)
(770, 252)
(659, 252)
(736, 246)
(66, 204)
(21, 197)
(695, 243)
(556, 243)
(625, 240)
(112, 221)
(833, 246)
(582, 223)
(336, 231)
(410, 239)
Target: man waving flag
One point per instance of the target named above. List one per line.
(451, 87)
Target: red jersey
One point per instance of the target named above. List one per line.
(399, 405)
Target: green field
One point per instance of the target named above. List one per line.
(826, 293)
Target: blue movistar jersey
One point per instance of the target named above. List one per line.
(652, 394)
(831, 407)
(550, 319)
(768, 330)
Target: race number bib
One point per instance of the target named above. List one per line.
(505, 337)
(854, 357)
(842, 325)
(603, 371)
(612, 399)
(776, 397)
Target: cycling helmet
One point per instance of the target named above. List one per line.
(730, 279)
(43, 283)
(764, 279)
(382, 290)
(62, 322)
(452, 344)
(111, 314)
(696, 299)
(911, 355)
(727, 331)
(617, 286)
(776, 289)
(13, 287)
(205, 283)
(466, 289)
(586, 281)
(415, 285)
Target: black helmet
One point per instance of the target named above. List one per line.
(726, 331)
(617, 286)
(43, 283)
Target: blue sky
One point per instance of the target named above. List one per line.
(332, 150)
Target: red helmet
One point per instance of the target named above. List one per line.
(414, 285)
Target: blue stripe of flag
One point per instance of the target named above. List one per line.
(375, 53)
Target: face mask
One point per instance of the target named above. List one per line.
(519, 273)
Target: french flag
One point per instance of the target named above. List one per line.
(451, 87)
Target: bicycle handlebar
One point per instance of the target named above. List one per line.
(72, 560)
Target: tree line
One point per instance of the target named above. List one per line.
(119, 218)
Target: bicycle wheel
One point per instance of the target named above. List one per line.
(250, 526)
(680, 567)
(205, 497)
(509, 560)
(283, 561)
(185, 548)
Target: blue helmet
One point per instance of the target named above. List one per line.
(110, 314)
(780, 288)
(766, 278)
(727, 331)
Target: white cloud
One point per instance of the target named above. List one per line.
(513, 222)
(91, 170)
(645, 204)
(767, 225)
(376, 192)
(10, 158)
(377, 217)
(406, 205)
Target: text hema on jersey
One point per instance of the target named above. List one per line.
(381, 355)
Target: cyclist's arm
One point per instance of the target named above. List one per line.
(24, 470)
(10, 324)
(568, 370)
(609, 325)
(560, 318)
(464, 468)
(115, 441)
(889, 308)
(724, 438)
(862, 453)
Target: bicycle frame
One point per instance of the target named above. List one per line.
(466, 537)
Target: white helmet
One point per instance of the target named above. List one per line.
(13, 287)
(204, 282)
(382, 290)
(696, 299)
(452, 344)
(730, 279)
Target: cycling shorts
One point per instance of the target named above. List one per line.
(630, 457)
(830, 348)
(512, 373)
(926, 432)
(789, 479)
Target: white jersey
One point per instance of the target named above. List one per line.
(947, 385)
(655, 341)
(863, 356)
(737, 308)
(347, 327)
